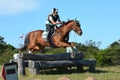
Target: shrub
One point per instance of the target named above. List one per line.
(109, 57)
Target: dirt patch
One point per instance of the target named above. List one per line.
(38, 79)
(64, 78)
(91, 78)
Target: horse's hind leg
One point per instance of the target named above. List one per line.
(29, 51)
(37, 47)
(30, 48)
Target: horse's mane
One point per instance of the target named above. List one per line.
(62, 25)
(66, 23)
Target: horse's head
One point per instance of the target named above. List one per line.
(77, 27)
(71, 25)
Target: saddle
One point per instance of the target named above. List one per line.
(44, 36)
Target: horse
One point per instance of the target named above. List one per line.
(35, 42)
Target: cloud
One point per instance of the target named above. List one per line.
(15, 6)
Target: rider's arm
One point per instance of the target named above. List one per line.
(59, 19)
(53, 22)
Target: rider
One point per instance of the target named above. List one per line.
(52, 21)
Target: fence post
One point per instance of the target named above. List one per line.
(21, 67)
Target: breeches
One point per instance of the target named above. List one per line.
(50, 29)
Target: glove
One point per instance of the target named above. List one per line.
(63, 22)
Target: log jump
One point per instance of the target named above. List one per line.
(37, 62)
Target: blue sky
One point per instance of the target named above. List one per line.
(100, 19)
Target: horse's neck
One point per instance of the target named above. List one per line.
(66, 29)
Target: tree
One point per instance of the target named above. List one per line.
(6, 51)
(2, 44)
(92, 43)
(115, 44)
(2, 40)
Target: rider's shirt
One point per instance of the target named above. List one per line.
(54, 18)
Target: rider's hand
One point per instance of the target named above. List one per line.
(63, 22)
(60, 22)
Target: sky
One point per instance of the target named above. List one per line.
(99, 19)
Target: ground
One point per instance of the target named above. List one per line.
(101, 73)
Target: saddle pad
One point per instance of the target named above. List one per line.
(45, 34)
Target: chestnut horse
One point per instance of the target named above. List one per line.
(34, 40)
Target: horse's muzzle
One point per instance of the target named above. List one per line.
(80, 33)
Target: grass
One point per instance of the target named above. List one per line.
(101, 73)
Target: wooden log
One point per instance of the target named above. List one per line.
(51, 57)
(63, 63)
(35, 66)
(50, 64)
(90, 63)
(21, 67)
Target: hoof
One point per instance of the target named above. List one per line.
(73, 55)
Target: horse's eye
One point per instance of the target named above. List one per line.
(77, 25)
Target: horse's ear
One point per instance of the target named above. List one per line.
(68, 19)
(76, 19)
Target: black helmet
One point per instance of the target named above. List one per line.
(54, 9)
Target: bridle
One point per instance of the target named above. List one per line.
(76, 24)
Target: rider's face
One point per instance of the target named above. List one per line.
(55, 13)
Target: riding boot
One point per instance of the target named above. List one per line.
(50, 41)
(47, 40)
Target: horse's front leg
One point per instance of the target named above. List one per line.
(73, 46)
(72, 49)
(69, 47)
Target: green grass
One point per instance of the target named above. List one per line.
(103, 73)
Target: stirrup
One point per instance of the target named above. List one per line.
(46, 40)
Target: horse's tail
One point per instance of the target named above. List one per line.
(26, 42)
(23, 48)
